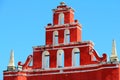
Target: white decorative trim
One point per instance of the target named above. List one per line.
(11, 61)
(59, 57)
(61, 18)
(78, 71)
(73, 71)
(66, 34)
(64, 28)
(55, 33)
(15, 75)
(73, 55)
(64, 47)
(65, 11)
(44, 62)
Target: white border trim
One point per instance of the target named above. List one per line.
(63, 28)
(90, 70)
(58, 11)
(62, 47)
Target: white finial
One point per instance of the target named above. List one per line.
(114, 56)
(62, 3)
(11, 65)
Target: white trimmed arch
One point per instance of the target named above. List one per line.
(61, 18)
(60, 58)
(75, 57)
(55, 37)
(45, 59)
(67, 36)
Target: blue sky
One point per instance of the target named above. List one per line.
(22, 25)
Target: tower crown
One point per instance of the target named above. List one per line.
(64, 29)
(62, 3)
(63, 14)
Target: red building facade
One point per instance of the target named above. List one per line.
(65, 56)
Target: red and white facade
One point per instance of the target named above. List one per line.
(65, 56)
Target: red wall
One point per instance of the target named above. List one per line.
(61, 36)
(53, 58)
(49, 37)
(68, 57)
(37, 60)
(103, 72)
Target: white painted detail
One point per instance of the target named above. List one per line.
(71, 44)
(55, 38)
(61, 18)
(65, 47)
(65, 11)
(75, 59)
(19, 68)
(114, 57)
(11, 65)
(11, 62)
(94, 58)
(62, 3)
(45, 59)
(15, 75)
(60, 58)
(64, 28)
(66, 36)
(78, 71)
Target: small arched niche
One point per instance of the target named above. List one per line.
(55, 38)
(67, 36)
(76, 57)
(60, 58)
(61, 19)
(45, 59)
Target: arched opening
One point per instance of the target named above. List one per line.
(55, 37)
(60, 58)
(61, 18)
(45, 59)
(93, 58)
(75, 57)
(66, 36)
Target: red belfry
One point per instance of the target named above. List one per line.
(65, 56)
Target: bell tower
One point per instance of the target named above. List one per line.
(64, 29)
(63, 14)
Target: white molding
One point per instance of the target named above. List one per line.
(15, 75)
(71, 43)
(63, 47)
(73, 71)
(64, 28)
(64, 11)
(77, 71)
